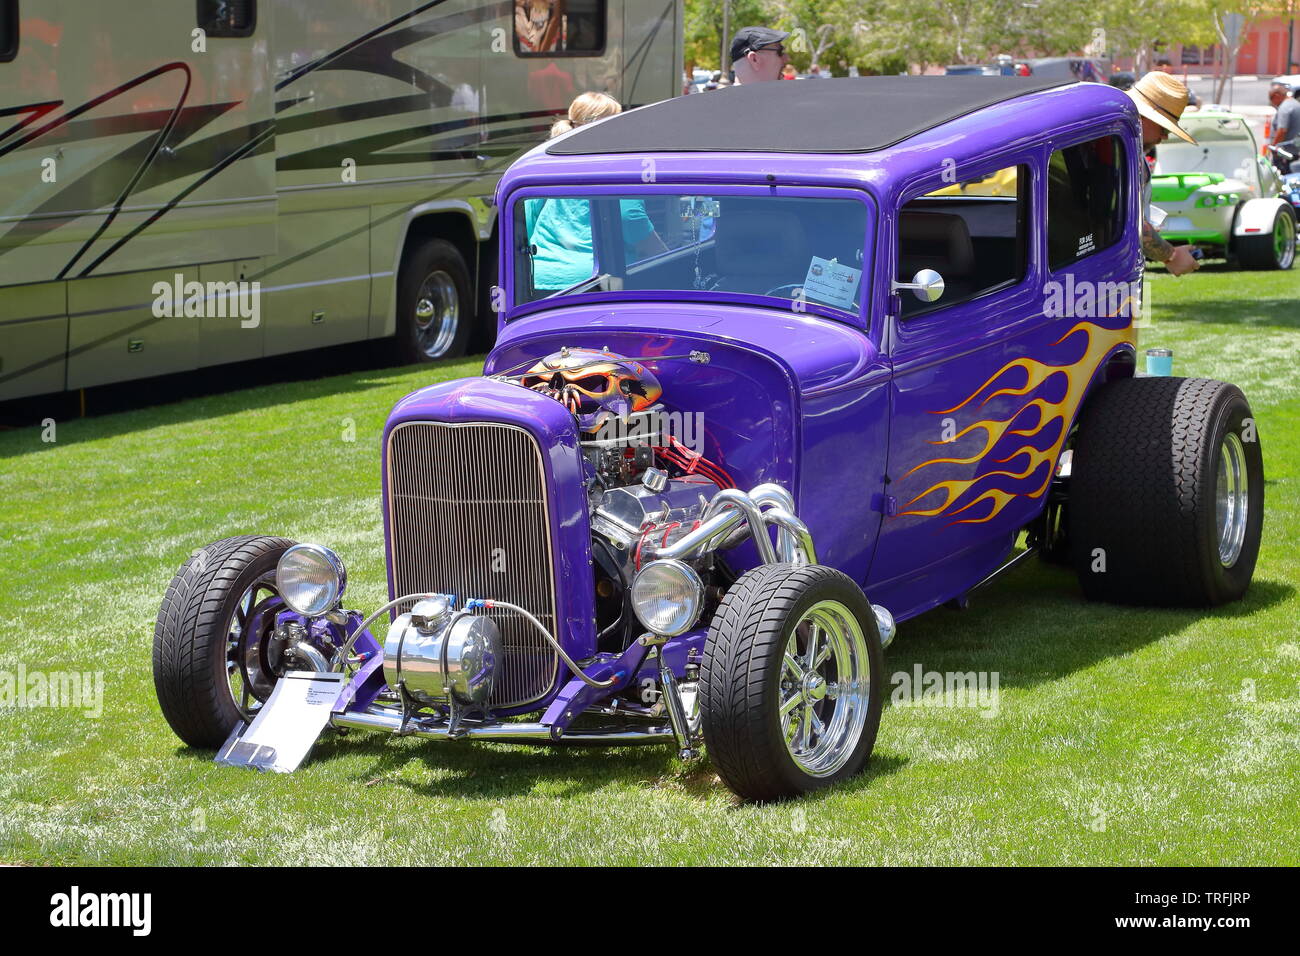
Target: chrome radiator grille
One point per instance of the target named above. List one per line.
(468, 516)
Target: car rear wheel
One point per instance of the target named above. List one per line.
(1272, 250)
(1167, 493)
(790, 687)
(435, 307)
(211, 664)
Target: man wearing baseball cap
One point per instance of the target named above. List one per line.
(1160, 101)
(758, 54)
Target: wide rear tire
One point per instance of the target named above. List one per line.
(1167, 493)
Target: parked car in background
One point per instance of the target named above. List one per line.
(1223, 195)
(790, 390)
(973, 69)
(701, 78)
(1085, 68)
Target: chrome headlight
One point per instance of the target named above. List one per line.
(667, 596)
(310, 579)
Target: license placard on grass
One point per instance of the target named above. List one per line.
(284, 730)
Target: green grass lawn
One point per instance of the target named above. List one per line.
(1122, 736)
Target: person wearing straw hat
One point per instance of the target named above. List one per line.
(1160, 101)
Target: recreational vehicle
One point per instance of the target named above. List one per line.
(196, 182)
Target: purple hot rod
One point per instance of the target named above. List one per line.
(776, 369)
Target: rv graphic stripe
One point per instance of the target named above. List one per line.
(352, 45)
(139, 173)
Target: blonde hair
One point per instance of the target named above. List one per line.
(587, 108)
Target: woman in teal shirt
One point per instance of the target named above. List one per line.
(560, 229)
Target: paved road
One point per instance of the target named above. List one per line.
(1248, 96)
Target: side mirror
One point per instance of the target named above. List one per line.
(926, 284)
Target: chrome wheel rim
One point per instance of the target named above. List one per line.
(1231, 501)
(248, 676)
(1284, 241)
(824, 688)
(437, 314)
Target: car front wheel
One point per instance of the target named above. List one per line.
(791, 683)
(213, 660)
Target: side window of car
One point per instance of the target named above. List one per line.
(8, 30)
(1085, 200)
(227, 18)
(974, 233)
(560, 27)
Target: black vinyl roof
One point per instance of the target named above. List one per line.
(848, 115)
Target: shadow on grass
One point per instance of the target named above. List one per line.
(203, 393)
(486, 771)
(1035, 627)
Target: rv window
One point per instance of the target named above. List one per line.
(228, 18)
(560, 27)
(8, 30)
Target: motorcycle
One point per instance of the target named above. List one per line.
(1284, 159)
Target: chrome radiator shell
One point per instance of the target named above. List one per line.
(468, 515)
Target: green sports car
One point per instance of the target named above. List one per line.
(1222, 195)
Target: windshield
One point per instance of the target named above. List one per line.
(1233, 160)
(1223, 145)
(808, 250)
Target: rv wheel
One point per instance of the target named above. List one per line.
(435, 309)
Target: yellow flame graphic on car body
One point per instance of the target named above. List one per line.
(1100, 342)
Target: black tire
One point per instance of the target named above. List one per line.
(431, 265)
(1143, 520)
(741, 679)
(189, 639)
(1263, 252)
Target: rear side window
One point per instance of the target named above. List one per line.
(1085, 200)
(559, 27)
(8, 30)
(228, 18)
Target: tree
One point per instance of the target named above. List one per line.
(704, 28)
